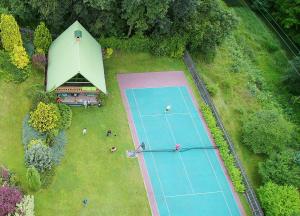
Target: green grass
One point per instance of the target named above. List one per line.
(112, 183)
(233, 99)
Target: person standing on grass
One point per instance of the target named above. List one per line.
(84, 131)
(85, 202)
(108, 133)
(85, 104)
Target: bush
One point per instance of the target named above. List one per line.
(45, 118)
(8, 177)
(42, 96)
(47, 177)
(281, 168)
(65, 116)
(135, 43)
(25, 207)
(39, 61)
(173, 46)
(42, 38)
(34, 142)
(266, 132)
(234, 172)
(9, 71)
(33, 178)
(10, 33)
(108, 53)
(279, 200)
(9, 197)
(40, 157)
(30, 133)
(19, 57)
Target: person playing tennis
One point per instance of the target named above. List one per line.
(168, 108)
(177, 147)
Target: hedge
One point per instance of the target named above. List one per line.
(234, 172)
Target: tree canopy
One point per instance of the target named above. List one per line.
(266, 132)
(203, 24)
(279, 200)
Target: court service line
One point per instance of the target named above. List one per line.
(162, 114)
(196, 128)
(155, 165)
(181, 160)
(194, 194)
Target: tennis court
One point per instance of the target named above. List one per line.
(188, 182)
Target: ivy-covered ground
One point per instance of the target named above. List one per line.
(246, 76)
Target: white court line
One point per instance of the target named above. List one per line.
(194, 194)
(155, 165)
(182, 162)
(163, 114)
(214, 171)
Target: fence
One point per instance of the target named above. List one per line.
(249, 192)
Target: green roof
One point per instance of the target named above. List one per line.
(75, 51)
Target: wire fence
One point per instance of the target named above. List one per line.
(249, 192)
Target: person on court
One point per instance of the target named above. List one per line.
(168, 108)
(177, 147)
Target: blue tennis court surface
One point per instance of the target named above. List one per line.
(184, 183)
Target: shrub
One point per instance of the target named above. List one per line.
(135, 43)
(281, 168)
(39, 61)
(57, 148)
(173, 46)
(19, 57)
(10, 33)
(279, 200)
(65, 116)
(33, 178)
(35, 142)
(108, 53)
(234, 172)
(30, 133)
(25, 207)
(10, 71)
(42, 96)
(40, 157)
(45, 118)
(47, 177)
(42, 38)
(266, 132)
(9, 197)
(8, 177)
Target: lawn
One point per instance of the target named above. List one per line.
(253, 47)
(112, 183)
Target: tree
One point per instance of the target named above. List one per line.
(33, 178)
(42, 38)
(9, 197)
(142, 15)
(279, 200)
(10, 33)
(40, 157)
(281, 169)
(266, 132)
(19, 57)
(45, 118)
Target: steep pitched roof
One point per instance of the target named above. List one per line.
(68, 57)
